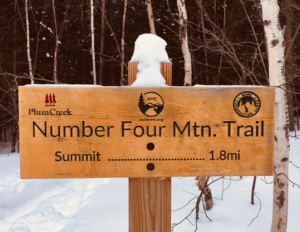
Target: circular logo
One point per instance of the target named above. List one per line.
(151, 104)
(246, 104)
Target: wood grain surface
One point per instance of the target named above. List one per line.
(149, 205)
(127, 155)
(165, 69)
(150, 198)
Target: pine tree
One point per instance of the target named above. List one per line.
(50, 99)
(46, 100)
(53, 99)
(141, 101)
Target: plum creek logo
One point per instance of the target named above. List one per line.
(246, 104)
(50, 99)
(151, 104)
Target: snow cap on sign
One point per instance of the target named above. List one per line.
(149, 51)
(150, 47)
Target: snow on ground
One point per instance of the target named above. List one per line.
(149, 51)
(101, 205)
(40, 205)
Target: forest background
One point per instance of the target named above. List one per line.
(56, 43)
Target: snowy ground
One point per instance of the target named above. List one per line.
(101, 205)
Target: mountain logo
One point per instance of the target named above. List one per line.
(246, 104)
(151, 104)
(50, 100)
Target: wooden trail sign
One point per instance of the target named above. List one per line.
(84, 132)
(150, 198)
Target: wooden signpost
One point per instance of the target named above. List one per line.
(145, 132)
(150, 198)
(85, 132)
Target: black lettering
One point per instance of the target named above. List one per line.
(88, 157)
(84, 127)
(249, 133)
(238, 130)
(202, 130)
(108, 130)
(58, 132)
(64, 157)
(187, 126)
(69, 112)
(44, 132)
(56, 154)
(31, 111)
(75, 156)
(98, 156)
(99, 129)
(160, 130)
(229, 126)
(151, 134)
(135, 131)
(195, 129)
(71, 130)
(123, 127)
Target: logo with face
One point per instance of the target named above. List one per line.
(246, 104)
(151, 104)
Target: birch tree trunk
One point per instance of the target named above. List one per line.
(183, 36)
(15, 40)
(14, 124)
(28, 43)
(56, 44)
(200, 3)
(102, 41)
(289, 65)
(93, 43)
(150, 17)
(275, 46)
(123, 44)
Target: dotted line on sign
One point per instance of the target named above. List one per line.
(166, 159)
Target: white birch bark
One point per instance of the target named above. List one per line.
(56, 36)
(275, 45)
(150, 17)
(183, 35)
(102, 41)
(28, 43)
(93, 43)
(123, 44)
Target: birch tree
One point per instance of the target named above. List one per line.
(123, 44)
(275, 47)
(56, 44)
(289, 57)
(102, 41)
(150, 17)
(200, 4)
(28, 43)
(93, 43)
(183, 36)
